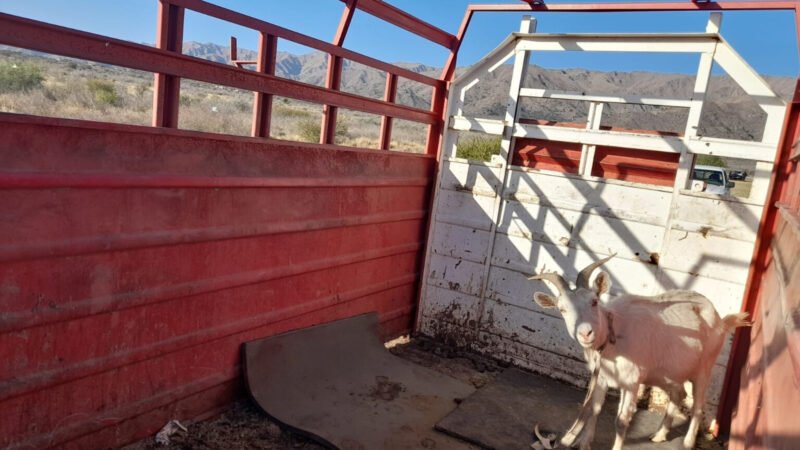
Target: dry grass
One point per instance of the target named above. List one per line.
(82, 90)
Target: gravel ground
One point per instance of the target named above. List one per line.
(244, 426)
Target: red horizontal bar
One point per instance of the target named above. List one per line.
(161, 238)
(284, 33)
(634, 7)
(114, 302)
(85, 125)
(34, 35)
(37, 180)
(407, 22)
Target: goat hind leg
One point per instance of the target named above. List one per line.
(672, 409)
(699, 387)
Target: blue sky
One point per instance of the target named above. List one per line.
(765, 39)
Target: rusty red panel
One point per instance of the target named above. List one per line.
(135, 261)
(542, 154)
(635, 165)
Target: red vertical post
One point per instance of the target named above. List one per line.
(234, 49)
(262, 103)
(167, 88)
(333, 79)
(389, 94)
(437, 108)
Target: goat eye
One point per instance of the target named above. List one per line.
(594, 302)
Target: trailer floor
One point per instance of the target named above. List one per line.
(244, 426)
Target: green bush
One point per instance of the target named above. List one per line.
(103, 92)
(19, 77)
(480, 148)
(309, 129)
(710, 160)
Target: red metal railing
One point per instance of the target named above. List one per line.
(169, 65)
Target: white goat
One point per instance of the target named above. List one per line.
(631, 340)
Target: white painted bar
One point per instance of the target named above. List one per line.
(581, 96)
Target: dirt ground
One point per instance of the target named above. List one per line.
(244, 426)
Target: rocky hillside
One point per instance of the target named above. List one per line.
(729, 112)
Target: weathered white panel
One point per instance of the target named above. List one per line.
(463, 208)
(585, 231)
(710, 256)
(459, 242)
(717, 217)
(648, 205)
(726, 296)
(529, 328)
(449, 306)
(528, 257)
(556, 366)
(480, 179)
(514, 288)
(538, 223)
(455, 274)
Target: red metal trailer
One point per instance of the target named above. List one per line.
(134, 261)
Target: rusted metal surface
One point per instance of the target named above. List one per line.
(561, 157)
(764, 370)
(630, 165)
(134, 262)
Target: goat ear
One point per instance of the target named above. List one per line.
(602, 283)
(545, 300)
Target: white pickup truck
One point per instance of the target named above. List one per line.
(711, 179)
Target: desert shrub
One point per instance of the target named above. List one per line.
(103, 92)
(710, 160)
(290, 111)
(480, 148)
(186, 100)
(19, 77)
(309, 129)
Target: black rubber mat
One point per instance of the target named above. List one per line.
(338, 384)
(503, 413)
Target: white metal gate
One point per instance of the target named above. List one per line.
(496, 223)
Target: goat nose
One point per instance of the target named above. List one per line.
(585, 332)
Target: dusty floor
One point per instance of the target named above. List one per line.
(244, 426)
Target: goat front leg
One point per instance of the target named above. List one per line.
(627, 407)
(582, 431)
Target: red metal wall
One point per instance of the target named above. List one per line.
(765, 361)
(134, 261)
